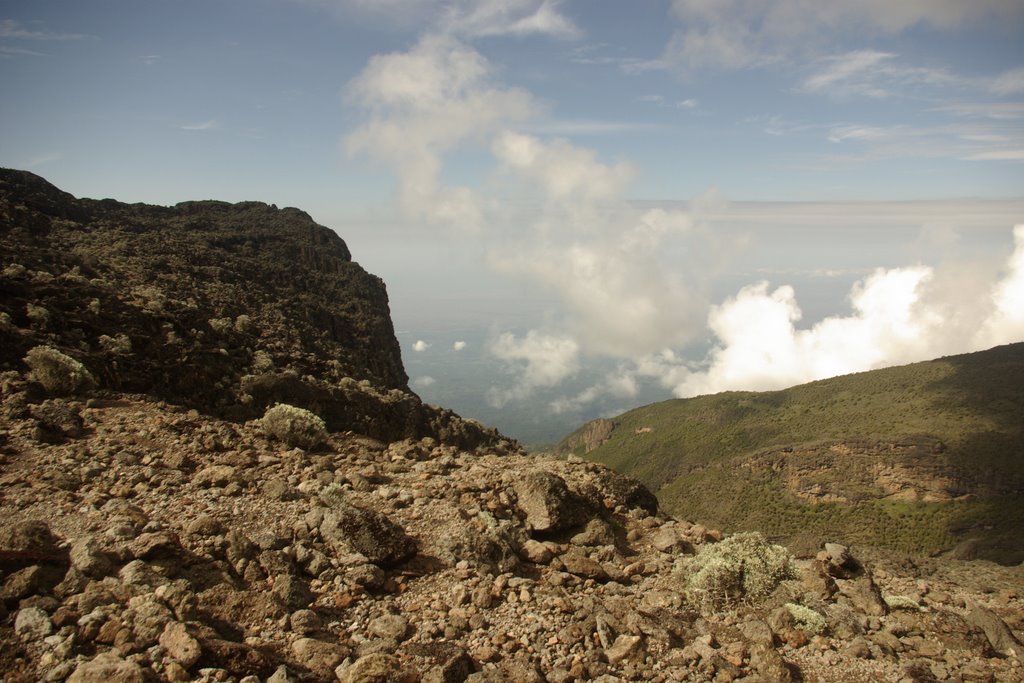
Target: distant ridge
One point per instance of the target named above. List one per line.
(923, 458)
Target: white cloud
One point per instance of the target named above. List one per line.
(459, 345)
(1009, 82)
(462, 18)
(15, 30)
(422, 105)
(478, 18)
(424, 381)
(739, 34)
(545, 360)
(419, 346)
(900, 315)
(998, 155)
(561, 170)
(212, 124)
(1006, 323)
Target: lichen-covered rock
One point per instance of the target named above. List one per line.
(369, 532)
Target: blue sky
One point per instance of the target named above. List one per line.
(611, 198)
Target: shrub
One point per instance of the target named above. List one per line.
(902, 602)
(742, 568)
(806, 618)
(57, 372)
(294, 426)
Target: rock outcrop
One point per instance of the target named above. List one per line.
(226, 308)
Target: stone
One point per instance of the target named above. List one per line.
(624, 646)
(597, 532)
(156, 545)
(548, 503)
(216, 475)
(369, 532)
(859, 648)
(87, 558)
(281, 675)
(107, 668)
(372, 668)
(318, 656)
(305, 621)
(838, 561)
(32, 623)
(585, 567)
(864, 596)
(999, 636)
(180, 645)
(292, 592)
(536, 552)
(667, 539)
(392, 627)
(769, 664)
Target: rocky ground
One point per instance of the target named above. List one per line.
(142, 541)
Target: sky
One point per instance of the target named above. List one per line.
(578, 206)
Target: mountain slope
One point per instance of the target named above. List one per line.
(925, 457)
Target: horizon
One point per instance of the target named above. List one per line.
(604, 203)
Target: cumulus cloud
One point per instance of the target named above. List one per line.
(422, 105)
(1006, 324)
(599, 256)
(459, 345)
(420, 346)
(424, 381)
(900, 315)
(544, 360)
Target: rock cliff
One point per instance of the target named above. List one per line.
(226, 308)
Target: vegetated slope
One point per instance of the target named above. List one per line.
(226, 308)
(923, 458)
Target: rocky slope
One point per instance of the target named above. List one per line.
(925, 458)
(147, 534)
(227, 308)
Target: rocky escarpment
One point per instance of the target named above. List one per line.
(226, 308)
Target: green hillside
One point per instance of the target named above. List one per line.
(921, 458)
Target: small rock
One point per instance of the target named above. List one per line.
(585, 567)
(392, 627)
(87, 558)
(32, 623)
(623, 647)
(373, 668)
(597, 532)
(107, 668)
(305, 621)
(536, 552)
(180, 645)
(318, 656)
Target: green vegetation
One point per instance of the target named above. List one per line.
(295, 426)
(744, 568)
(921, 458)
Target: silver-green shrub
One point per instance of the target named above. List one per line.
(744, 568)
(295, 426)
(806, 618)
(57, 372)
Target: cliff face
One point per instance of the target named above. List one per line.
(225, 308)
